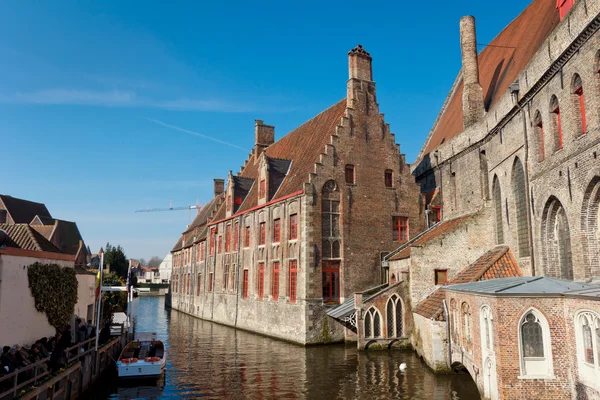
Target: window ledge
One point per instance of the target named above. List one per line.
(545, 377)
(390, 187)
(276, 243)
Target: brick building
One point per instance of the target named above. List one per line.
(304, 224)
(523, 118)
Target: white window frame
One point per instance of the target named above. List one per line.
(535, 364)
(589, 374)
(486, 311)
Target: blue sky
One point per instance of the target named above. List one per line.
(109, 106)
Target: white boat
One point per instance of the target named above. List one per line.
(144, 357)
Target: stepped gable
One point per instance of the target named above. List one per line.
(498, 67)
(23, 211)
(23, 236)
(435, 231)
(499, 262)
(302, 147)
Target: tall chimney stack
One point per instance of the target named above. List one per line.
(359, 64)
(219, 186)
(473, 108)
(264, 136)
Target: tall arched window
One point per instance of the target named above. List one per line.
(555, 118)
(556, 241)
(487, 339)
(539, 135)
(466, 319)
(372, 324)
(394, 317)
(579, 104)
(455, 319)
(590, 227)
(497, 194)
(331, 237)
(587, 327)
(534, 345)
(519, 193)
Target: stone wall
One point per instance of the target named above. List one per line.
(429, 339)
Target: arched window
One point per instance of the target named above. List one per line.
(579, 104)
(535, 348)
(556, 241)
(587, 327)
(350, 174)
(497, 194)
(388, 178)
(394, 317)
(539, 135)
(331, 236)
(455, 319)
(519, 191)
(590, 227)
(555, 118)
(372, 324)
(466, 319)
(487, 333)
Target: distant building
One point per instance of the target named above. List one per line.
(165, 268)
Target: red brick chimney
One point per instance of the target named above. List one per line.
(359, 64)
(473, 108)
(219, 186)
(264, 136)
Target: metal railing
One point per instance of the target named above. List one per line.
(40, 371)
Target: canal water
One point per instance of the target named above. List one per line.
(208, 360)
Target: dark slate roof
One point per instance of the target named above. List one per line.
(46, 220)
(278, 169)
(526, 285)
(435, 231)
(68, 235)
(23, 236)
(241, 188)
(500, 63)
(496, 263)
(23, 211)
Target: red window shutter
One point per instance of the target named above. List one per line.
(292, 280)
(276, 231)
(579, 92)
(350, 174)
(228, 238)
(262, 234)
(247, 237)
(559, 127)
(261, 281)
(238, 200)
(331, 281)
(245, 287)
(212, 241)
(275, 281)
(293, 226)
(210, 282)
(236, 233)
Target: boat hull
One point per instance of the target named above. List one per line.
(140, 370)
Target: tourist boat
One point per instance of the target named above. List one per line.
(144, 357)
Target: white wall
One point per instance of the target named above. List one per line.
(86, 296)
(20, 322)
(165, 267)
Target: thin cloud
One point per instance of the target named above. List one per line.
(195, 133)
(119, 98)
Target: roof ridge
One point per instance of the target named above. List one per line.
(492, 261)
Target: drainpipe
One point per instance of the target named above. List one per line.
(214, 275)
(514, 90)
(448, 332)
(237, 268)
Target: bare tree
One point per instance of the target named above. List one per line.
(154, 262)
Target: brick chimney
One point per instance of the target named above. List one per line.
(472, 91)
(264, 136)
(359, 64)
(219, 186)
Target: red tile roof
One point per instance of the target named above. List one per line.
(499, 65)
(302, 146)
(499, 262)
(439, 229)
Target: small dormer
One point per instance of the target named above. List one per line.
(564, 6)
(236, 192)
(263, 179)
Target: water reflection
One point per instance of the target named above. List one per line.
(214, 362)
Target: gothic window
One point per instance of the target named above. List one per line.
(455, 319)
(519, 192)
(497, 194)
(293, 226)
(292, 280)
(555, 118)
(225, 276)
(556, 241)
(372, 324)
(331, 236)
(394, 317)
(590, 228)
(539, 135)
(275, 281)
(535, 347)
(245, 285)
(467, 330)
(587, 326)
(276, 230)
(486, 328)
(579, 103)
(262, 234)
